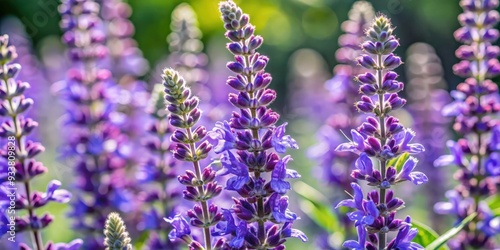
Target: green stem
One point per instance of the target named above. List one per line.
(204, 205)
(382, 235)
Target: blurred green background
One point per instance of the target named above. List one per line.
(286, 25)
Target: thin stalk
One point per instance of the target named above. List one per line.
(36, 237)
(204, 205)
(261, 230)
(382, 235)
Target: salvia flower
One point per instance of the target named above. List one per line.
(18, 164)
(250, 143)
(157, 173)
(94, 143)
(475, 110)
(381, 137)
(191, 146)
(115, 233)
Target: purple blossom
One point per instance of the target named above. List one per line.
(366, 210)
(279, 206)
(180, 226)
(408, 174)
(279, 173)
(232, 166)
(357, 145)
(226, 138)
(404, 237)
(281, 141)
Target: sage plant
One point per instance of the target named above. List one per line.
(475, 109)
(18, 165)
(383, 138)
(249, 144)
(92, 140)
(157, 175)
(191, 146)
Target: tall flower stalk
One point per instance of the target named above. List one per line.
(158, 174)
(191, 146)
(263, 218)
(383, 138)
(93, 141)
(475, 109)
(18, 165)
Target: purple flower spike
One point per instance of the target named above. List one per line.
(192, 147)
(475, 111)
(253, 133)
(381, 137)
(19, 166)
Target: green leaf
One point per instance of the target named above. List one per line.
(316, 206)
(399, 161)
(439, 242)
(493, 202)
(425, 235)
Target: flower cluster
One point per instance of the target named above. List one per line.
(18, 164)
(191, 146)
(249, 144)
(158, 172)
(475, 109)
(384, 138)
(427, 97)
(93, 141)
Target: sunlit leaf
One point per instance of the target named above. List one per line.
(317, 207)
(439, 242)
(426, 235)
(399, 161)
